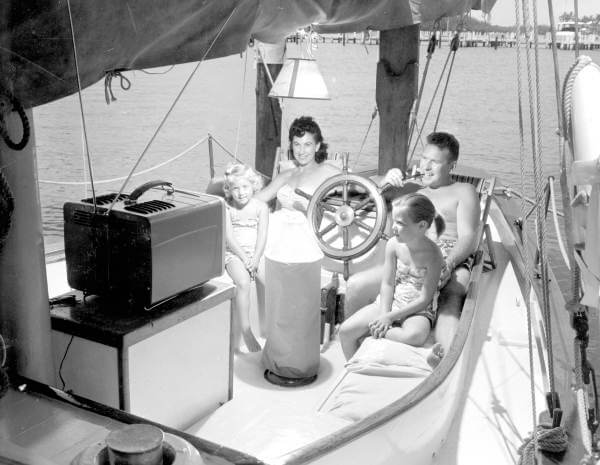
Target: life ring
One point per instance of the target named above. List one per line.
(581, 107)
(8, 103)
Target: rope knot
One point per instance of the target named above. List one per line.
(123, 82)
(546, 439)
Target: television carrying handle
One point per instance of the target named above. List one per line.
(138, 191)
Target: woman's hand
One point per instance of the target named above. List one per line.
(250, 267)
(379, 327)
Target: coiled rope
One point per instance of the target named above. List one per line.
(545, 438)
(15, 105)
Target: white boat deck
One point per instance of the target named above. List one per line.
(493, 416)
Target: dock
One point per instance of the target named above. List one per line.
(467, 39)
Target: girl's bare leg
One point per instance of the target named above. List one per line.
(362, 289)
(414, 331)
(241, 305)
(356, 327)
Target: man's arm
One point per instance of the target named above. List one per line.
(468, 214)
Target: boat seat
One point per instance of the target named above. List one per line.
(383, 371)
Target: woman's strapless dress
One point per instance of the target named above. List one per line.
(290, 237)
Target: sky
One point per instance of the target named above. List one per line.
(503, 13)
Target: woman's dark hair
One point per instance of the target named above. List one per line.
(305, 124)
(420, 208)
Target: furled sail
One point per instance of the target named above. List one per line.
(37, 60)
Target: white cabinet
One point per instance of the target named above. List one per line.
(172, 365)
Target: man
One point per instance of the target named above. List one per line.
(458, 203)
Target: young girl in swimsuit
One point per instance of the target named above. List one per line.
(246, 234)
(406, 308)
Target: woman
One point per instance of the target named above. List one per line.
(309, 152)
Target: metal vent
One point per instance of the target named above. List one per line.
(83, 218)
(147, 208)
(105, 199)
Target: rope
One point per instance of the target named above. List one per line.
(536, 144)
(188, 80)
(83, 124)
(547, 439)
(16, 106)
(527, 254)
(123, 81)
(106, 181)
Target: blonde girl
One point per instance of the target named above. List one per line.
(406, 308)
(247, 221)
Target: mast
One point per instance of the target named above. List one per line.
(396, 90)
(268, 110)
(24, 309)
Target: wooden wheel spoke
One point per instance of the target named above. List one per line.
(363, 225)
(327, 229)
(362, 204)
(345, 193)
(325, 206)
(345, 238)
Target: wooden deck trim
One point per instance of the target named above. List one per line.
(226, 455)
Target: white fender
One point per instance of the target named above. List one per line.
(585, 117)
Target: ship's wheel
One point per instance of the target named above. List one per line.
(347, 215)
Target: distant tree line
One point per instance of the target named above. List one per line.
(570, 16)
(472, 24)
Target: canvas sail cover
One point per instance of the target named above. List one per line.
(37, 60)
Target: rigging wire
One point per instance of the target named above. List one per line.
(139, 173)
(535, 127)
(175, 101)
(83, 124)
(243, 92)
(362, 145)
(451, 52)
(430, 51)
(454, 47)
(527, 255)
(576, 12)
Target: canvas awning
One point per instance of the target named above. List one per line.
(36, 50)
